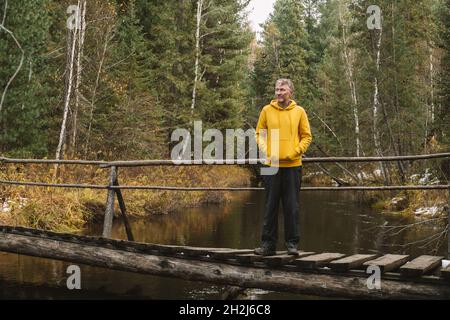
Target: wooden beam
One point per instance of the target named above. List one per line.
(185, 250)
(351, 262)
(446, 273)
(123, 210)
(420, 266)
(109, 212)
(274, 261)
(388, 262)
(230, 253)
(144, 163)
(275, 280)
(317, 260)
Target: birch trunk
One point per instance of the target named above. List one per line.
(396, 146)
(197, 54)
(351, 82)
(432, 83)
(376, 104)
(196, 69)
(79, 70)
(430, 108)
(69, 76)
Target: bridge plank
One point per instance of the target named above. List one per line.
(194, 252)
(317, 260)
(229, 254)
(351, 262)
(445, 273)
(388, 262)
(251, 257)
(278, 260)
(185, 250)
(420, 266)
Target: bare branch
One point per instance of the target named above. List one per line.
(328, 127)
(4, 13)
(18, 68)
(408, 226)
(216, 31)
(427, 241)
(108, 37)
(120, 61)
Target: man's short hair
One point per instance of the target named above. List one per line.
(287, 82)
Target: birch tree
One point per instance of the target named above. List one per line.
(71, 45)
(81, 37)
(197, 77)
(349, 66)
(377, 34)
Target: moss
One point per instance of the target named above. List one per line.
(380, 204)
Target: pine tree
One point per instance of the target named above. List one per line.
(283, 52)
(224, 53)
(168, 27)
(443, 114)
(24, 95)
(134, 122)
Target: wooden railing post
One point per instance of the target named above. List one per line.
(123, 210)
(109, 212)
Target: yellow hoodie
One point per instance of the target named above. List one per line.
(294, 133)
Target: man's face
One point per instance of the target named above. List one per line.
(283, 93)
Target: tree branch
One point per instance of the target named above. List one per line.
(18, 68)
(4, 13)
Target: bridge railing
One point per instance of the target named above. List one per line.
(114, 188)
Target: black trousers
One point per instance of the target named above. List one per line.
(284, 186)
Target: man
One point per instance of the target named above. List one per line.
(290, 122)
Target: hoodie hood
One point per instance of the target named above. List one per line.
(291, 106)
(275, 104)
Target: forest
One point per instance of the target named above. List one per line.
(111, 79)
(116, 82)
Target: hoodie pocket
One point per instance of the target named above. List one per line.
(287, 151)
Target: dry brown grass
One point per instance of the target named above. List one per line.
(427, 198)
(69, 209)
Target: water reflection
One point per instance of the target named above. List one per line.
(332, 222)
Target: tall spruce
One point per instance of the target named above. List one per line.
(24, 94)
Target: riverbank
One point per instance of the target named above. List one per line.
(413, 204)
(68, 210)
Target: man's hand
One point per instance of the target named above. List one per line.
(294, 156)
(273, 159)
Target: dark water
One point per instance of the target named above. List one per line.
(330, 222)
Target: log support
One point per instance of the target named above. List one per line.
(212, 272)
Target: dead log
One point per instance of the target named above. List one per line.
(274, 280)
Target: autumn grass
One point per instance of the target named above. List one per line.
(381, 200)
(68, 210)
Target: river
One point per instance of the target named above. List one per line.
(329, 222)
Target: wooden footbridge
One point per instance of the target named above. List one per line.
(312, 273)
(323, 274)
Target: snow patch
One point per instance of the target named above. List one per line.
(5, 207)
(426, 178)
(362, 175)
(377, 172)
(428, 211)
(8, 204)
